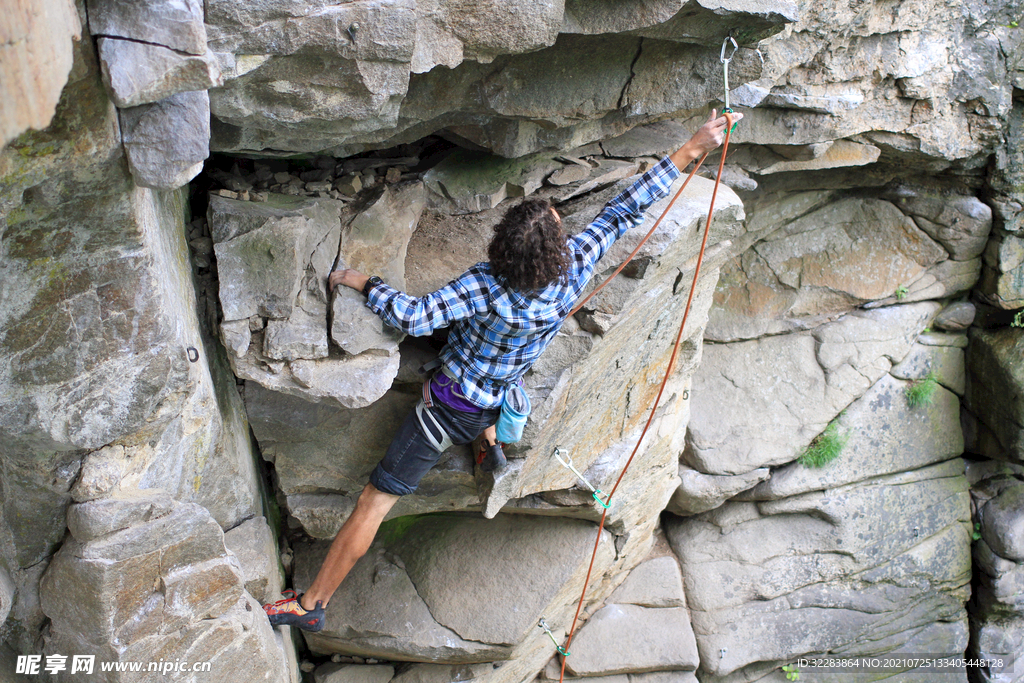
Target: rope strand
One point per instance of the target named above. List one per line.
(668, 370)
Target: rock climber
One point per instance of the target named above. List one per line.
(501, 315)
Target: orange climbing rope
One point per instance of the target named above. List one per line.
(668, 371)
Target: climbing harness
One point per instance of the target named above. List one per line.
(730, 125)
(567, 464)
(423, 414)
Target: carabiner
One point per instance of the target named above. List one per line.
(725, 70)
(722, 58)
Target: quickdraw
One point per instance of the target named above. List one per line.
(569, 466)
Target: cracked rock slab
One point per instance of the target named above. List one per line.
(812, 573)
(453, 589)
(139, 73)
(177, 24)
(632, 639)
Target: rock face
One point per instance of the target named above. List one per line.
(144, 578)
(167, 141)
(117, 412)
(37, 56)
(520, 50)
(446, 570)
(273, 258)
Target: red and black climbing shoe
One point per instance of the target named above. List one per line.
(289, 612)
(493, 457)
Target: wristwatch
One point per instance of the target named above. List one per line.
(371, 283)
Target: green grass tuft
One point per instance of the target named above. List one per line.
(901, 293)
(921, 391)
(825, 448)
(1018, 320)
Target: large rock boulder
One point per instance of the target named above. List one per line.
(167, 141)
(144, 578)
(824, 264)
(836, 363)
(375, 243)
(273, 260)
(883, 435)
(521, 50)
(177, 24)
(454, 589)
(997, 607)
(140, 73)
(832, 578)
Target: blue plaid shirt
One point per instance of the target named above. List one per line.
(497, 332)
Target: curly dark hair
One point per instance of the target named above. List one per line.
(529, 250)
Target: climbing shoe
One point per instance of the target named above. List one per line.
(493, 457)
(289, 612)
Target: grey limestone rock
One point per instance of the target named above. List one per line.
(825, 580)
(132, 590)
(467, 182)
(828, 262)
(769, 379)
(946, 363)
(960, 224)
(91, 520)
(301, 335)
(629, 638)
(253, 543)
(375, 243)
(101, 472)
(1002, 523)
(884, 436)
(652, 583)
(38, 64)
(264, 249)
(273, 260)
(656, 139)
(177, 24)
(343, 380)
(236, 336)
(1002, 282)
(444, 673)
(167, 141)
(353, 673)
(140, 73)
(411, 597)
(956, 317)
(701, 492)
(6, 594)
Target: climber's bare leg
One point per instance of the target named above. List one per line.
(350, 544)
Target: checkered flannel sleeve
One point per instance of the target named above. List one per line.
(625, 211)
(420, 316)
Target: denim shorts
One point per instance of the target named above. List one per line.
(410, 455)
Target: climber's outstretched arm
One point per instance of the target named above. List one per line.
(709, 137)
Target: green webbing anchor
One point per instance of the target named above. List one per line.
(568, 465)
(544, 625)
(725, 67)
